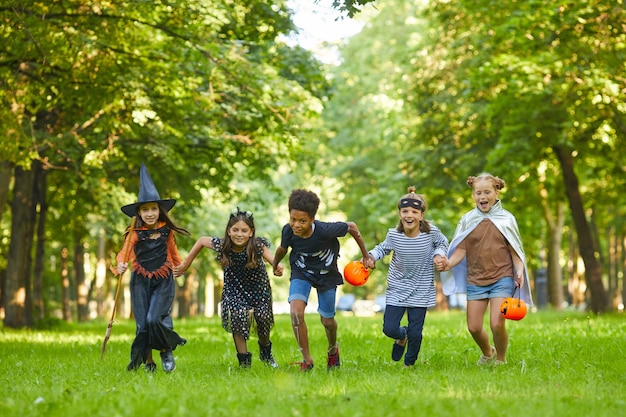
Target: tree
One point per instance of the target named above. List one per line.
(537, 72)
(513, 90)
(90, 91)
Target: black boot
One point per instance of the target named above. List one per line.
(266, 355)
(245, 359)
(167, 360)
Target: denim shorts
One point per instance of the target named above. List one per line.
(500, 289)
(300, 289)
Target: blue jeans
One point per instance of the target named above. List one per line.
(391, 328)
(299, 289)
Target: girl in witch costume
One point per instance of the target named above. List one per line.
(154, 253)
(247, 294)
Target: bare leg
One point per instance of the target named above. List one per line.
(475, 316)
(240, 343)
(299, 328)
(149, 358)
(498, 328)
(331, 333)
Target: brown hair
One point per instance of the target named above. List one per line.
(424, 225)
(498, 183)
(163, 217)
(251, 249)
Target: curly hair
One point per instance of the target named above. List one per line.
(304, 200)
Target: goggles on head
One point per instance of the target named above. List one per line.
(410, 202)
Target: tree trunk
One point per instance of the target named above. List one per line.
(613, 255)
(623, 267)
(593, 272)
(6, 170)
(18, 301)
(555, 224)
(209, 297)
(184, 297)
(39, 198)
(3, 279)
(555, 273)
(82, 291)
(65, 286)
(101, 273)
(217, 295)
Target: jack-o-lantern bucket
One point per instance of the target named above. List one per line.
(356, 273)
(513, 308)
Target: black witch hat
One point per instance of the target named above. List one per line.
(147, 194)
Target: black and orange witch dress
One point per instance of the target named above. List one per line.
(152, 290)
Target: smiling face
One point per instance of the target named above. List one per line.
(485, 194)
(149, 213)
(301, 223)
(410, 218)
(240, 233)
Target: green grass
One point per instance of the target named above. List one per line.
(560, 364)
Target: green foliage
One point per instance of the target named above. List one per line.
(178, 85)
(203, 92)
(429, 94)
(351, 7)
(58, 372)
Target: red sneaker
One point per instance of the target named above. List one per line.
(304, 367)
(333, 360)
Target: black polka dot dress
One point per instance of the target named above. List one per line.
(247, 294)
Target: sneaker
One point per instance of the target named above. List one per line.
(151, 368)
(304, 367)
(333, 360)
(487, 360)
(167, 360)
(398, 350)
(498, 362)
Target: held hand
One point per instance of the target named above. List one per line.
(519, 280)
(122, 267)
(441, 263)
(369, 263)
(278, 270)
(180, 269)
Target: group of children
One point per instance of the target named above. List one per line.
(486, 257)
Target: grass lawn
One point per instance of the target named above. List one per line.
(560, 364)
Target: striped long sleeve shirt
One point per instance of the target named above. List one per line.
(410, 281)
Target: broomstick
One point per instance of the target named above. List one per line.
(117, 291)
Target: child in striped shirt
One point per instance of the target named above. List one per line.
(416, 247)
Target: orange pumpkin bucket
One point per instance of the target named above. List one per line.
(513, 308)
(356, 273)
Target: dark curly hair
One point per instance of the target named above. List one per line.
(304, 200)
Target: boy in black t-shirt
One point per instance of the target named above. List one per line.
(313, 260)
